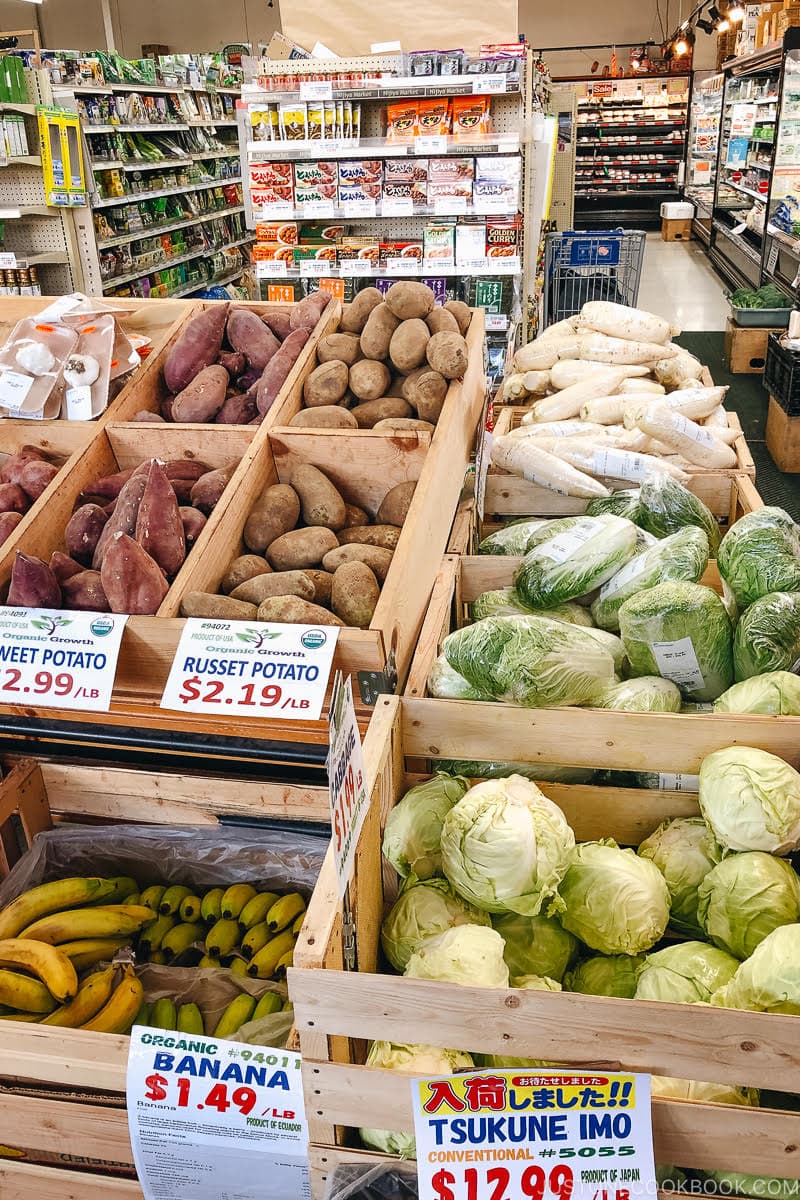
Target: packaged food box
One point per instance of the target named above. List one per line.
(498, 177)
(470, 242)
(411, 250)
(271, 174)
(360, 179)
(439, 243)
(315, 174)
(405, 178)
(450, 177)
(262, 196)
(355, 248)
(320, 231)
(319, 252)
(284, 232)
(313, 192)
(503, 236)
(272, 252)
(471, 116)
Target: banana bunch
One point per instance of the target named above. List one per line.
(187, 1018)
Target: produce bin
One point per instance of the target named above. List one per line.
(697, 1042)
(761, 318)
(63, 1124)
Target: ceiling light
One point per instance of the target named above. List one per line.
(683, 42)
(706, 26)
(736, 13)
(721, 24)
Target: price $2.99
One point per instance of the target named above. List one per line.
(476, 1183)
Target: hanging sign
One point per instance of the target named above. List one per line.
(55, 659)
(346, 783)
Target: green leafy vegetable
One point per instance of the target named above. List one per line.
(681, 555)
(744, 898)
(471, 955)
(446, 684)
(769, 980)
(614, 901)
(751, 800)
(761, 554)
(513, 538)
(687, 973)
(536, 983)
(507, 602)
(423, 908)
(649, 693)
(535, 945)
(606, 975)
(767, 637)
(665, 506)
(572, 557)
(546, 772)
(414, 826)
(618, 504)
(776, 693)
(684, 851)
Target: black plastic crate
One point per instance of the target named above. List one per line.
(782, 376)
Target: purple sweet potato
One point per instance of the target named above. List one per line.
(197, 346)
(200, 402)
(63, 567)
(166, 408)
(84, 593)
(36, 476)
(132, 582)
(277, 371)
(159, 528)
(279, 321)
(13, 467)
(207, 492)
(193, 522)
(248, 379)
(83, 532)
(33, 584)
(237, 410)
(182, 489)
(233, 361)
(13, 499)
(248, 334)
(123, 518)
(8, 523)
(306, 314)
(185, 468)
(149, 418)
(110, 486)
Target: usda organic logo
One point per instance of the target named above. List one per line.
(313, 639)
(102, 626)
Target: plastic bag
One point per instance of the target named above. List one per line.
(389, 1181)
(212, 990)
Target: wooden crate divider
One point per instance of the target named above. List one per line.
(333, 1006)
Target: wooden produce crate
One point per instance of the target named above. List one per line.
(746, 349)
(147, 388)
(62, 1091)
(697, 1042)
(59, 441)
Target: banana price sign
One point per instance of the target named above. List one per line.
(534, 1135)
(211, 1118)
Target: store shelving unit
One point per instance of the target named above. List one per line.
(128, 250)
(630, 145)
(701, 153)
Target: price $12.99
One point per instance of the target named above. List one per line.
(495, 1183)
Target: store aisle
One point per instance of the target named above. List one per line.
(679, 283)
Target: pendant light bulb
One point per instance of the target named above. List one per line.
(736, 13)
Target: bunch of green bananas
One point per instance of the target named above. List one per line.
(187, 1018)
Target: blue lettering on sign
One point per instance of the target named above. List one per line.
(604, 1125)
(21, 654)
(281, 670)
(491, 1130)
(216, 666)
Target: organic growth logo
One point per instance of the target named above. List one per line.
(50, 625)
(257, 637)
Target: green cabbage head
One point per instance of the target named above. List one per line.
(751, 800)
(682, 555)
(624, 503)
(606, 975)
(536, 983)
(513, 538)
(547, 772)
(424, 908)
(614, 901)
(505, 846)
(761, 554)
(745, 897)
(684, 851)
(535, 945)
(665, 506)
(573, 556)
(414, 826)
(769, 980)
(410, 1059)
(470, 955)
(648, 693)
(686, 973)
(767, 637)
(706, 1093)
(777, 693)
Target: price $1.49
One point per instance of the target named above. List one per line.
(218, 1097)
(495, 1183)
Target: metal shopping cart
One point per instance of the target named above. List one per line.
(590, 266)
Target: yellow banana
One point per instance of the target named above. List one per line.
(51, 897)
(180, 938)
(238, 1012)
(92, 995)
(37, 1017)
(46, 962)
(263, 964)
(235, 898)
(269, 1003)
(222, 938)
(298, 923)
(190, 1019)
(207, 961)
(119, 1013)
(190, 909)
(123, 887)
(210, 907)
(152, 937)
(238, 966)
(151, 896)
(22, 992)
(284, 961)
(164, 1014)
(172, 899)
(114, 920)
(284, 911)
(158, 958)
(254, 939)
(256, 909)
(87, 952)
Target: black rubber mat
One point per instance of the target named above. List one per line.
(748, 398)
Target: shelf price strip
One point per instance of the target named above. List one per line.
(251, 669)
(538, 1135)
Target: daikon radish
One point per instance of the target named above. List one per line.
(523, 457)
(620, 321)
(718, 419)
(685, 437)
(611, 462)
(536, 356)
(560, 329)
(606, 410)
(568, 371)
(536, 383)
(694, 403)
(613, 350)
(569, 402)
(674, 371)
(514, 388)
(530, 428)
(642, 385)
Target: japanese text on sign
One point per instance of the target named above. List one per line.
(546, 1135)
(251, 670)
(346, 783)
(59, 659)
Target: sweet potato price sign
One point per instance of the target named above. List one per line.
(55, 659)
(534, 1135)
(243, 669)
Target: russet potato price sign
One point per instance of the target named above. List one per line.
(534, 1135)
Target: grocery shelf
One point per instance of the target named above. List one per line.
(746, 191)
(587, 195)
(114, 164)
(407, 266)
(228, 277)
(108, 89)
(214, 153)
(631, 124)
(277, 212)
(12, 106)
(634, 145)
(18, 212)
(739, 241)
(166, 127)
(445, 146)
(763, 141)
(49, 258)
(134, 197)
(21, 160)
(210, 122)
(117, 280)
(397, 88)
(153, 230)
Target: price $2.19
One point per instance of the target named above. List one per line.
(246, 695)
(495, 1183)
(243, 1098)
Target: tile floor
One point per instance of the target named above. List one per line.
(679, 283)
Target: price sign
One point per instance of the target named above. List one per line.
(14, 388)
(359, 208)
(318, 208)
(56, 659)
(489, 85)
(346, 784)
(543, 1135)
(271, 268)
(448, 206)
(431, 143)
(402, 266)
(399, 206)
(493, 204)
(314, 267)
(356, 266)
(496, 322)
(316, 89)
(209, 1118)
(251, 669)
(279, 211)
(7, 260)
(772, 257)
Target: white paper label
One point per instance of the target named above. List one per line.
(211, 1118)
(677, 661)
(772, 257)
(670, 782)
(359, 208)
(314, 267)
(251, 669)
(632, 570)
(278, 211)
(489, 85)
(694, 431)
(356, 266)
(430, 143)
(79, 403)
(496, 322)
(400, 206)
(492, 204)
(55, 659)
(7, 260)
(559, 548)
(271, 269)
(620, 464)
(14, 388)
(430, 266)
(316, 89)
(347, 790)
(402, 266)
(444, 206)
(317, 208)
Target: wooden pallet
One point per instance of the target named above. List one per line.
(334, 1008)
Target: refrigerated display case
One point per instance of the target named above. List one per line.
(701, 154)
(782, 237)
